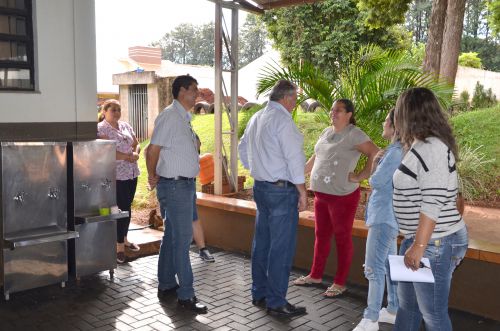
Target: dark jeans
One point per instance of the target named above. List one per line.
(125, 192)
(176, 202)
(274, 241)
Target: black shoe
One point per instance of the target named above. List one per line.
(287, 310)
(168, 293)
(259, 303)
(206, 256)
(193, 305)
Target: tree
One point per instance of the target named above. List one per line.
(195, 44)
(494, 17)
(417, 19)
(253, 39)
(325, 33)
(444, 34)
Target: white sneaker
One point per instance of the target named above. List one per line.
(385, 317)
(366, 325)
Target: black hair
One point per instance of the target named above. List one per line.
(349, 108)
(182, 81)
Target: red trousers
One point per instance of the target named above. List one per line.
(334, 217)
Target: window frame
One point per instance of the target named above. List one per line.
(28, 39)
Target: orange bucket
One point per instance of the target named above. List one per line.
(206, 168)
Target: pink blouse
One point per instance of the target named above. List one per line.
(124, 138)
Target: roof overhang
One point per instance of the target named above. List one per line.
(259, 6)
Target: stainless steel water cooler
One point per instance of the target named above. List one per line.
(91, 186)
(33, 216)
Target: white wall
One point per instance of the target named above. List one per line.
(65, 62)
(468, 77)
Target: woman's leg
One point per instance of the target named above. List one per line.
(130, 191)
(323, 234)
(378, 246)
(342, 210)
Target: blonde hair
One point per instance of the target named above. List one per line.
(105, 106)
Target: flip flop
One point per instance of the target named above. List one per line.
(334, 291)
(133, 247)
(305, 281)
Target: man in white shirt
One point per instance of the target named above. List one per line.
(272, 148)
(173, 164)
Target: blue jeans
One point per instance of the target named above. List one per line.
(274, 240)
(176, 205)
(426, 300)
(381, 242)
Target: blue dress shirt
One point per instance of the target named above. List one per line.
(272, 146)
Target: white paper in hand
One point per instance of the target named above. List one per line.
(400, 273)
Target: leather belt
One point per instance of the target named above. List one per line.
(179, 178)
(282, 183)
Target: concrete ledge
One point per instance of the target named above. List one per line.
(228, 224)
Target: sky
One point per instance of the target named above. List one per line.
(124, 23)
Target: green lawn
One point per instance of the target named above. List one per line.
(480, 127)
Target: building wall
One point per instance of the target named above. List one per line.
(64, 100)
(468, 77)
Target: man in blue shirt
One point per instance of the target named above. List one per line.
(272, 149)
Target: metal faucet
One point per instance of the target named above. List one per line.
(54, 193)
(106, 184)
(19, 197)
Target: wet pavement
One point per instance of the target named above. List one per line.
(129, 302)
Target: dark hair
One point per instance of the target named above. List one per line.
(392, 113)
(281, 89)
(105, 106)
(349, 108)
(182, 81)
(419, 116)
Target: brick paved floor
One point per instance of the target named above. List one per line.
(130, 303)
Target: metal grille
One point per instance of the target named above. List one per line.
(138, 110)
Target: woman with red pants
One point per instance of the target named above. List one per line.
(336, 192)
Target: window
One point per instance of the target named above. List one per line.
(16, 45)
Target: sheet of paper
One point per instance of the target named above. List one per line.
(400, 273)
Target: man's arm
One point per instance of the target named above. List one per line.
(152, 153)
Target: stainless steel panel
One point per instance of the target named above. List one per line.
(33, 186)
(94, 176)
(81, 219)
(95, 249)
(14, 243)
(34, 266)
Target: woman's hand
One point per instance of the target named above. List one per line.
(414, 255)
(132, 157)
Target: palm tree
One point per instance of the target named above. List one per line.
(373, 79)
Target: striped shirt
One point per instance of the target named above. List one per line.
(179, 148)
(426, 182)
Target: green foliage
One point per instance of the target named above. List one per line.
(488, 50)
(470, 60)
(417, 19)
(483, 98)
(479, 130)
(325, 34)
(382, 13)
(494, 18)
(473, 172)
(417, 53)
(462, 104)
(373, 79)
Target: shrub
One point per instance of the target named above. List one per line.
(483, 98)
(470, 59)
(473, 173)
(462, 103)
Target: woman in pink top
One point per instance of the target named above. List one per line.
(127, 153)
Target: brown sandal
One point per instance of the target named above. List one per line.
(334, 291)
(305, 281)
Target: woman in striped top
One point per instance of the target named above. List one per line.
(424, 200)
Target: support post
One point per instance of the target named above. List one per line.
(234, 98)
(218, 100)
